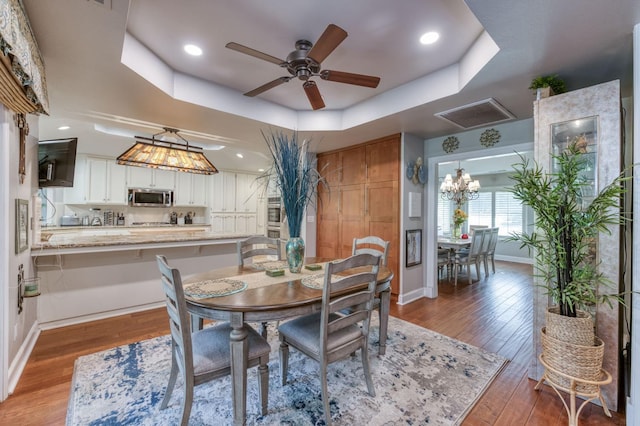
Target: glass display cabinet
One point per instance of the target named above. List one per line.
(591, 118)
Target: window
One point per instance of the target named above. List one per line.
(481, 210)
(496, 208)
(508, 213)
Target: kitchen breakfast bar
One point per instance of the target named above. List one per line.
(91, 273)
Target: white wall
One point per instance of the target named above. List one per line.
(18, 329)
(633, 402)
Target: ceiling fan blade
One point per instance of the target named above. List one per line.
(350, 78)
(269, 85)
(313, 94)
(332, 36)
(255, 53)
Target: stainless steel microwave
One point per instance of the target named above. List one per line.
(144, 197)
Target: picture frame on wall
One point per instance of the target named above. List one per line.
(22, 225)
(413, 252)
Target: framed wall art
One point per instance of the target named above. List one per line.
(414, 247)
(22, 225)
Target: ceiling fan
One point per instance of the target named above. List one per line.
(304, 62)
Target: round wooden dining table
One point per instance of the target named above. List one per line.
(277, 301)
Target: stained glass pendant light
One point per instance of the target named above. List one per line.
(156, 153)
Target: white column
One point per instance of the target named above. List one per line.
(633, 402)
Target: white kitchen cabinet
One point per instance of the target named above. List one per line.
(223, 223)
(105, 181)
(144, 177)
(223, 192)
(247, 189)
(191, 190)
(246, 223)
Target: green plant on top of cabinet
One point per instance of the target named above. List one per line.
(144, 177)
(191, 190)
(106, 181)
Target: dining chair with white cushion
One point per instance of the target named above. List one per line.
(204, 355)
(382, 299)
(474, 255)
(330, 335)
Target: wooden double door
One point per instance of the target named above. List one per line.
(362, 199)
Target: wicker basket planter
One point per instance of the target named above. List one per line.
(579, 361)
(577, 330)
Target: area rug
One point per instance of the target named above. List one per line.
(423, 379)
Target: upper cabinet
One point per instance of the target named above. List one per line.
(191, 190)
(144, 177)
(106, 181)
(247, 189)
(98, 180)
(234, 192)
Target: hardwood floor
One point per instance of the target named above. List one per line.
(494, 313)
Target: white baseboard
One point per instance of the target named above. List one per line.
(101, 315)
(412, 296)
(514, 259)
(20, 360)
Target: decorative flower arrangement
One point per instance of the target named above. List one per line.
(295, 175)
(459, 216)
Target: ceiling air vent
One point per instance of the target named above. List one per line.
(481, 113)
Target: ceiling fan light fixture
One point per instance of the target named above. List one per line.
(168, 155)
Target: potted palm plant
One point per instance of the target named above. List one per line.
(563, 243)
(294, 171)
(548, 85)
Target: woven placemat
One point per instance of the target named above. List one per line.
(316, 281)
(270, 264)
(214, 288)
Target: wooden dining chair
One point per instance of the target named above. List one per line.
(330, 335)
(382, 299)
(472, 256)
(205, 354)
(258, 245)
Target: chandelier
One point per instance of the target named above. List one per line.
(157, 153)
(461, 189)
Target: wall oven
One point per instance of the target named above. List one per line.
(274, 217)
(274, 212)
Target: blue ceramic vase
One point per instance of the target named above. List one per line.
(295, 254)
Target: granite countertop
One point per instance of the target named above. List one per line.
(85, 237)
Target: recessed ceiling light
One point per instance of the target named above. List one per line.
(192, 49)
(239, 155)
(429, 38)
(64, 128)
(261, 170)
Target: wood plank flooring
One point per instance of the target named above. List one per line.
(494, 313)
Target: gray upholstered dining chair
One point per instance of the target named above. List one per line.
(491, 250)
(473, 256)
(258, 246)
(444, 261)
(382, 299)
(484, 250)
(327, 336)
(205, 354)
